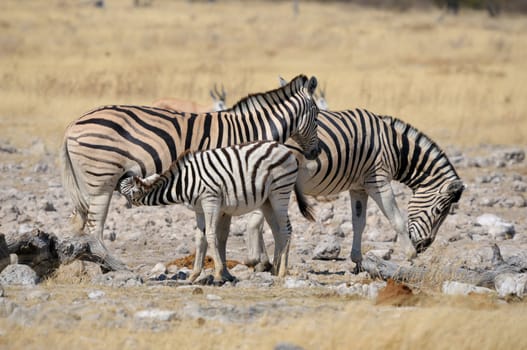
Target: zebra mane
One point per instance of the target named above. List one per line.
(413, 133)
(295, 85)
(421, 139)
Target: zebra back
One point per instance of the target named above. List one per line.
(361, 150)
(111, 143)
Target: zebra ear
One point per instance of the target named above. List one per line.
(455, 189)
(137, 182)
(283, 82)
(312, 85)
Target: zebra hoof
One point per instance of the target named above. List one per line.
(358, 269)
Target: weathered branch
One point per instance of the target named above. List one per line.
(384, 269)
(45, 252)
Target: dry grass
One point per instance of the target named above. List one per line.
(461, 80)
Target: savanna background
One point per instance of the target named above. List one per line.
(461, 79)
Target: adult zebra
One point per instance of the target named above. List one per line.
(113, 142)
(361, 154)
(223, 182)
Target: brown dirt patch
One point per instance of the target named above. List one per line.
(188, 262)
(396, 294)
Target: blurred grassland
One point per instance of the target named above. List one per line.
(462, 80)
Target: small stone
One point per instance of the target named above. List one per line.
(49, 207)
(197, 291)
(118, 279)
(96, 294)
(496, 227)
(18, 275)
(326, 214)
(487, 202)
(459, 288)
(287, 346)
(155, 315)
(384, 254)
(511, 284)
(213, 297)
(328, 249)
(519, 186)
(158, 269)
(292, 283)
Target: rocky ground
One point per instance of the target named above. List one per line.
(491, 210)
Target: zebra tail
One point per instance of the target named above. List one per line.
(71, 184)
(303, 205)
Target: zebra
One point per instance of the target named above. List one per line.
(110, 143)
(218, 103)
(224, 182)
(361, 154)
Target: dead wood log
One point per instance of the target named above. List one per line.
(379, 268)
(45, 252)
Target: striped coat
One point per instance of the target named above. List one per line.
(114, 142)
(224, 182)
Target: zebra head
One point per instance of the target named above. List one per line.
(134, 188)
(428, 209)
(218, 99)
(306, 134)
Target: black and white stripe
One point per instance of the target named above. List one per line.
(362, 153)
(224, 182)
(110, 143)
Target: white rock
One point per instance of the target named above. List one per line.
(213, 297)
(497, 228)
(18, 274)
(158, 269)
(511, 284)
(459, 288)
(368, 290)
(96, 294)
(292, 283)
(155, 314)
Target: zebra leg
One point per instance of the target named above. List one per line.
(278, 220)
(97, 213)
(385, 199)
(214, 223)
(224, 225)
(359, 201)
(201, 247)
(257, 254)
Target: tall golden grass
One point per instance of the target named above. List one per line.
(460, 79)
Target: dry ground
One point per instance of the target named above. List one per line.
(459, 79)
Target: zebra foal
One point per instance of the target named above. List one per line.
(224, 182)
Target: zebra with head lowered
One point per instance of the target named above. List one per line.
(111, 143)
(223, 182)
(361, 154)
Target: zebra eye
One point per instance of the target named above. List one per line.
(437, 211)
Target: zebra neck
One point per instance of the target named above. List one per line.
(420, 163)
(260, 117)
(166, 190)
